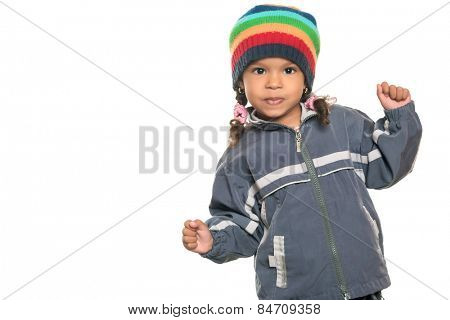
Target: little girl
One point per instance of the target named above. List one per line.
(291, 188)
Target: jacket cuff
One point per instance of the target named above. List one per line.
(400, 112)
(217, 247)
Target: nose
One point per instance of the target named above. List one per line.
(273, 81)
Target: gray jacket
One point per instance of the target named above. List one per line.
(298, 201)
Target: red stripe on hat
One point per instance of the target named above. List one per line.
(271, 38)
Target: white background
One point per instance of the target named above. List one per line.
(78, 79)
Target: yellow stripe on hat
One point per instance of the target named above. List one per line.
(271, 27)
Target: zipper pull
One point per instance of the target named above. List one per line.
(298, 138)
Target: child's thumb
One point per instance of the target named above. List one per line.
(197, 224)
(193, 224)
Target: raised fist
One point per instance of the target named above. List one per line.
(392, 97)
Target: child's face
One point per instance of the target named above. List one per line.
(273, 77)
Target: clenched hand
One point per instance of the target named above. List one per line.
(196, 236)
(391, 96)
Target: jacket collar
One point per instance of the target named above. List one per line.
(255, 120)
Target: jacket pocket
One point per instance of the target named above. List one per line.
(374, 227)
(266, 230)
(278, 261)
(272, 204)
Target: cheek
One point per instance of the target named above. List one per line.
(294, 87)
(255, 84)
(295, 92)
(253, 90)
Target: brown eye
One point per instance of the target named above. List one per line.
(257, 69)
(291, 69)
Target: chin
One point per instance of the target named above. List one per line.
(272, 113)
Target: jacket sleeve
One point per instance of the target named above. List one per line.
(389, 146)
(235, 224)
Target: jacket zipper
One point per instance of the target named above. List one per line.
(319, 197)
(298, 139)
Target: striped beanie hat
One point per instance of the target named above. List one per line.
(274, 30)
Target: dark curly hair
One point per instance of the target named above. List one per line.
(237, 128)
